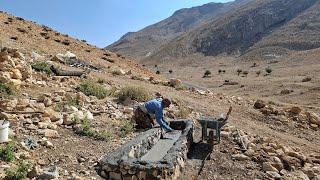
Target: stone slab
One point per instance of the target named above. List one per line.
(161, 148)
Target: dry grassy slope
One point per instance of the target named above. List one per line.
(30, 39)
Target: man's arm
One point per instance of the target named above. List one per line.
(161, 121)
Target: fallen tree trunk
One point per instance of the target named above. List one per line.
(60, 72)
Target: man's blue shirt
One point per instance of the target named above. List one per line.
(155, 107)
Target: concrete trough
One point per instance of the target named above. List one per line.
(150, 157)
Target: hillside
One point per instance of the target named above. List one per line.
(234, 30)
(145, 42)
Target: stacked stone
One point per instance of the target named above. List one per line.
(125, 163)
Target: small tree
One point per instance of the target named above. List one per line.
(239, 71)
(224, 71)
(155, 66)
(219, 71)
(207, 73)
(158, 72)
(268, 70)
(170, 71)
(254, 65)
(245, 73)
(258, 73)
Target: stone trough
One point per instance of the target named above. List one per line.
(150, 157)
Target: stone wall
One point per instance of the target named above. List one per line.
(125, 162)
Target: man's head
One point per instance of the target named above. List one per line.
(166, 102)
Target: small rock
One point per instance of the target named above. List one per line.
(50, 173)
(240, 157)
(266, 166)
(259, 104)
(273, 174)
(295, 110)
(49, 133)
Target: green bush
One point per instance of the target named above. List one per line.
(126, 127)
(92, 89)
(87, 130)
(7, 89)
(7, 153)
(42, 67)
(105, 136)
(134, 93)
(20, 172)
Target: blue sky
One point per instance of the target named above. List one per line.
(100, 22)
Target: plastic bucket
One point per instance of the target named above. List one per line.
(4, 130)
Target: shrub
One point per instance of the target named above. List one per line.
(87, 130)
(7, 89)
(7, 153)
(258, 73)
(306, 79)
(42, 67)
(239, 71)
(170, 71)
(245, 73)
(268, 70)
(126, 127)
(92, 89)
(155, 66)
(20, 172)
(220, 71)
(207, 73)
(116, 72)
(134, 93)
(158, 72)
(105, 136)
(101, 81)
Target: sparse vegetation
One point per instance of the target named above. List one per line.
(42, 67)
(20, 172)
(7, 90)
(126, 127)
(7, 153)
(92, 89)
(134, 93)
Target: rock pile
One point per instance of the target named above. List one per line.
(303, 118)
(276, 160)
(13, 67)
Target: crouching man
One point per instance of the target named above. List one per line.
(145, 114)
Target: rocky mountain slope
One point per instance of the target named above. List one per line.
(146, 41)
(290, 24)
